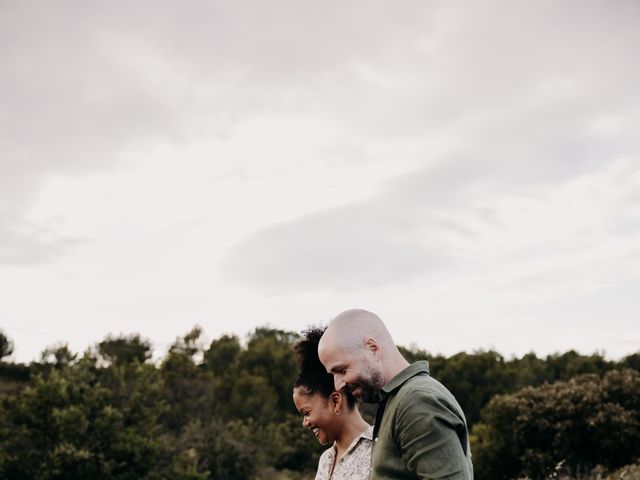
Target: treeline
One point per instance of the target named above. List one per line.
(223, 410)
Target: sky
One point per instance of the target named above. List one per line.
(469, 171)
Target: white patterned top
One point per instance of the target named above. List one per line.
(354, 465)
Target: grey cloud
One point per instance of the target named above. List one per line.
(358, 246)
(392, 238)
(513, 85)
(72, 102)
(84, 82)
(24, 244)
(401, 234)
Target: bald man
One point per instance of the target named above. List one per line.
(420, 430)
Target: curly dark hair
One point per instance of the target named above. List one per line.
(313, 377)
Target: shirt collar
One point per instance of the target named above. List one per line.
(367, 434)
(412, 370)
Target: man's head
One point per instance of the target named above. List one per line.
(359, 351)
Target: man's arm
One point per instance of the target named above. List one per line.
(425, 429)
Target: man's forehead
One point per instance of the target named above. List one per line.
(326, 353)
(328, 344)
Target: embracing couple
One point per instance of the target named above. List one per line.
(420, 431)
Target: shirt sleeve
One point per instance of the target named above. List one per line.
(426, 432)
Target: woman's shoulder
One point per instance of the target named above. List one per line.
(325, 464)
(328, 454)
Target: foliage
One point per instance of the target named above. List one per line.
(120, 350)
(58, 355)
(269, 356)
(188, 390)
(628, 472)
(222, 355)
(82, 422)
(631, 361)
(224, 410)
(475, 378)
(6, 346)
(584, 422)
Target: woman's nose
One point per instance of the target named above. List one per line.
(304, 422)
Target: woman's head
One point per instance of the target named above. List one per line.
(319, 414)
(322, 407)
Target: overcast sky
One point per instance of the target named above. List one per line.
(469, 171)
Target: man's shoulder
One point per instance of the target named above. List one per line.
(422, 384)
(426, 390)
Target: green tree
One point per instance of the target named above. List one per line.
(474, 379)
(269, 356)
(83, 422)
(290, 446)
(631, 361)
(190, 345)
(221, 360)
(253, 397)
(584, 422)
(120, 350)
(529, 371)
(231, 450)
(222, 355)
(225, 411)
(58, 355)
(571, 363)
(6, 346)
(188, 389)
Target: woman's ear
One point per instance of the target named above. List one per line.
(335, 400)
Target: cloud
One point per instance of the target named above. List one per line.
(24, 244)
(564, 236)
(498, 108)
(481, 99)
(84, 84)
(468, 162)
(360, 246)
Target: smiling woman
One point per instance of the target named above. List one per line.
(331, 415)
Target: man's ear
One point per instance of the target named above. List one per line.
(371, 345)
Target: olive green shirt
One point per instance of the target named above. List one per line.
(420, 430)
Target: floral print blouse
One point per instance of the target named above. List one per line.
(354, 465)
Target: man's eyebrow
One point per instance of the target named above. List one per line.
(337, 368)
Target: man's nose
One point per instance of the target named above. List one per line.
(339, 383)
